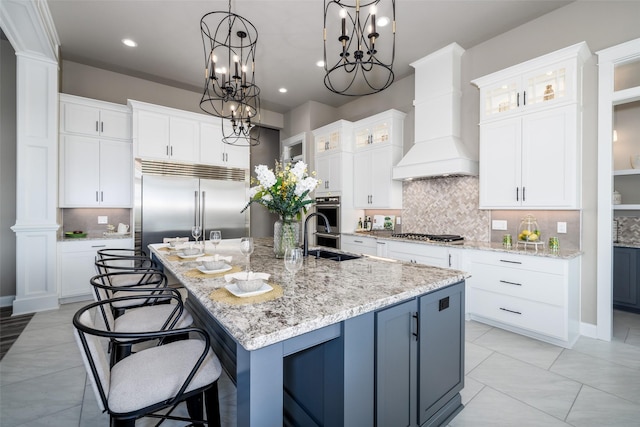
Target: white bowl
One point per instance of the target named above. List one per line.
(191, 251)
(213, 265)
(249, 285)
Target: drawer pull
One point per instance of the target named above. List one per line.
(510, 262)
(358, 241)
(510, 311)
(510, 283)
(98, 246)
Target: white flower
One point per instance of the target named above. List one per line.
(307, 184)
(267, 197)
(254, 190)
(266, 176)
(299, 170)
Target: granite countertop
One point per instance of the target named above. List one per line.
(322, 293)
(94, 236)
(484, 246)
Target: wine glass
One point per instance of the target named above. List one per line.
(246, 247)
(293, 260)
(215, 237)
(195, 232)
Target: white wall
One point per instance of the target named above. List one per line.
(7, 172)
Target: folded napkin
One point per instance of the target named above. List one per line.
(213, 258)
(175, 239)
(243, 276)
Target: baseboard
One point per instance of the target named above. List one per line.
(7, 301)
(589, 330)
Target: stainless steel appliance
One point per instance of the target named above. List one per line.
(443, 238)
(174, 197)
(329, 207)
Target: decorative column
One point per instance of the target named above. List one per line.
(30, 30)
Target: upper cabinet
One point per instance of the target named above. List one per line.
(96, 162)
(334, 158)
(530, 133)
(163, 133)
(89, 117)
(378, 148)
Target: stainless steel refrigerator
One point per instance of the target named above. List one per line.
(171, 205)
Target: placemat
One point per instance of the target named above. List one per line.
(224, 296)
(195, 273)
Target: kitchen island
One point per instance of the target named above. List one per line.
(316, 354)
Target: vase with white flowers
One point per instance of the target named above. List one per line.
(284, 191)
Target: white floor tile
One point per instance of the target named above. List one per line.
(519, 347)
(546, 391)
(616, 352)
(594, 408)
(491, 408)
(474, 355)
(471, 388)
(600, 374)
(473, 330)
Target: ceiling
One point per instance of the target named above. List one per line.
(289, 38)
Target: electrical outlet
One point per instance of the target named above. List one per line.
(562, 227)
(498, 224)
(398, 220)
(103, 219)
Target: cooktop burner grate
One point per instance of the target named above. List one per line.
(431, 237)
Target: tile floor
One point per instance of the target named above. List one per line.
(510, 380)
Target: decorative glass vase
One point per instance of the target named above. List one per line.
(286, 234)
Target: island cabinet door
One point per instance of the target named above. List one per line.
(396, 358)
(441, 354)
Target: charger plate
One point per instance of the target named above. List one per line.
(224, 296)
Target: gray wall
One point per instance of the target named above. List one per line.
(265, 153)
(7, 171)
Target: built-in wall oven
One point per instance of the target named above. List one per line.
(330, 207)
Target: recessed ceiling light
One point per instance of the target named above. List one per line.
(283, 90)
(129, 42)
(320, 63)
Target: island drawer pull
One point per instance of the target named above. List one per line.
(358, 241)
(510, 283)
(98, 246)
(417, 330)
(510, 262)
(510, 311)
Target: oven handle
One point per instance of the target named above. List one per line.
(326, 206)
(328, 236)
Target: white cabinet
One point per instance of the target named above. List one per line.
(419, 253)
(531, 161)
(215, 152)
(532, 295)
(95, 172)
(89, 117)
(378, 148)
(76, 265)
(359, 244)
(293, 149)
(334, 158)
(530, 138)
(95, 157)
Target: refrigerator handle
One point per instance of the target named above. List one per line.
(202, 211)
(196, 210)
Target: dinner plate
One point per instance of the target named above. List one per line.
(220, 270)
(181, 255)
(235, 290)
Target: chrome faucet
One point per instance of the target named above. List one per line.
(305, 245)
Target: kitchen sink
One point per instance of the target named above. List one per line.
(334, 256)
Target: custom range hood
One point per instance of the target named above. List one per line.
(437, 150)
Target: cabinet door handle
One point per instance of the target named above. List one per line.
(96, 126)
(171, 150)
(524, 98)
(523, 198)
(449, 260)
(510, 262)
(417, 329)
(101, 126)
(517, 194)
(518, 100)
(358, 241)
(510, 283)
(510, 311)
(102, 196)
(167, 149)
(97, 196)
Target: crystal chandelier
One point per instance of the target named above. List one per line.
(362, 64)
(230, 92)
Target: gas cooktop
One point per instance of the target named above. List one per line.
(446, 238)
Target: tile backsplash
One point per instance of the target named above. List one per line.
(445, 206)
(628, 230)
(87, 219)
